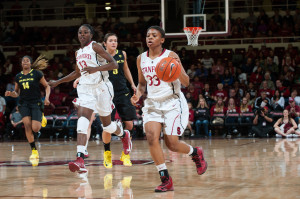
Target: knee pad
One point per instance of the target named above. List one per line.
(82, 125)
(110, 128)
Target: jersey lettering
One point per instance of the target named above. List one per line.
(82, 64)
(115, 71)
(25, 85)
(154, 81)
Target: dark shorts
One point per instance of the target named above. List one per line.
(32, 110)
(124, 107)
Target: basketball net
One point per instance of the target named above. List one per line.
(192, 34)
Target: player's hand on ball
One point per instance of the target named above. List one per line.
(8, 93)
(53, 83)
(90, 70)
(134, 99)
(176, 58)
(46, 102)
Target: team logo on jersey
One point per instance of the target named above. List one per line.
(31, 74)
(178, 130)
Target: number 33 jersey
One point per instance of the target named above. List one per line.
(156, 88)
(29, 86)
(87, 57)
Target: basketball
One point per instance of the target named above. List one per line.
(168, 69)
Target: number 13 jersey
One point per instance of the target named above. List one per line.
(87, 57)
(156, 88)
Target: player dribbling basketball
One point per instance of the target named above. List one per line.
(165, 108)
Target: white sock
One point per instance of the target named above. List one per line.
(161, 167)
(80, 149)
(191, 150)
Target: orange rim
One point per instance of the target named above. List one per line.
(194, 30)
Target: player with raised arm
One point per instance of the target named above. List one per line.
(165, 108)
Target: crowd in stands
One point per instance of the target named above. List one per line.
(224, 85)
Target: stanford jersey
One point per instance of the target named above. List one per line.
(156, 88)
(85, 57)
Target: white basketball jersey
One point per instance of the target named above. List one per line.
(86, 56)
(157, 89)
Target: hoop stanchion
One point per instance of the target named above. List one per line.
(192, 34)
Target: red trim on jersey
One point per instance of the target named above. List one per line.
(174, 123)
(164, 50)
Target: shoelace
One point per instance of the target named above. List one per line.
(197, 160)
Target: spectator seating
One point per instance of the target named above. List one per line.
(61, 110)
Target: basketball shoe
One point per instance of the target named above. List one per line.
(34, 162)
(166, 185)
(108, 181)
(77, 165)
(126, 159)
(44, 121)
(127, 144)
(201, 164)
(107, 162)
(34, 154)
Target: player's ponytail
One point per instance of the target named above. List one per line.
(40, 63)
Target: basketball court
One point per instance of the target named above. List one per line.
(239, 168)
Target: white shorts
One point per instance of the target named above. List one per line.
(172, 112)
(96, 97)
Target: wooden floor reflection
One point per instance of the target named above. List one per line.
(237, 168)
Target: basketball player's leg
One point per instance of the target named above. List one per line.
(175, 122)
(174, 144)
(153, 130)
(86, 154)
(84, 118)
(28, 128)
(127, 113)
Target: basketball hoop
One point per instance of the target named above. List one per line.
(192, 34)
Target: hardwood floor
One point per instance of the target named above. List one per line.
(237, 168)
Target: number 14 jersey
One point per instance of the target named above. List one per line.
(156, 88)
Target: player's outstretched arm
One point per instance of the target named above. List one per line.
(183, 78)
(142, 83)
(112, 64)
(127, 73)
(47, 90)
(73, 75)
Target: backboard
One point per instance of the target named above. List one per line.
(211, 15)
